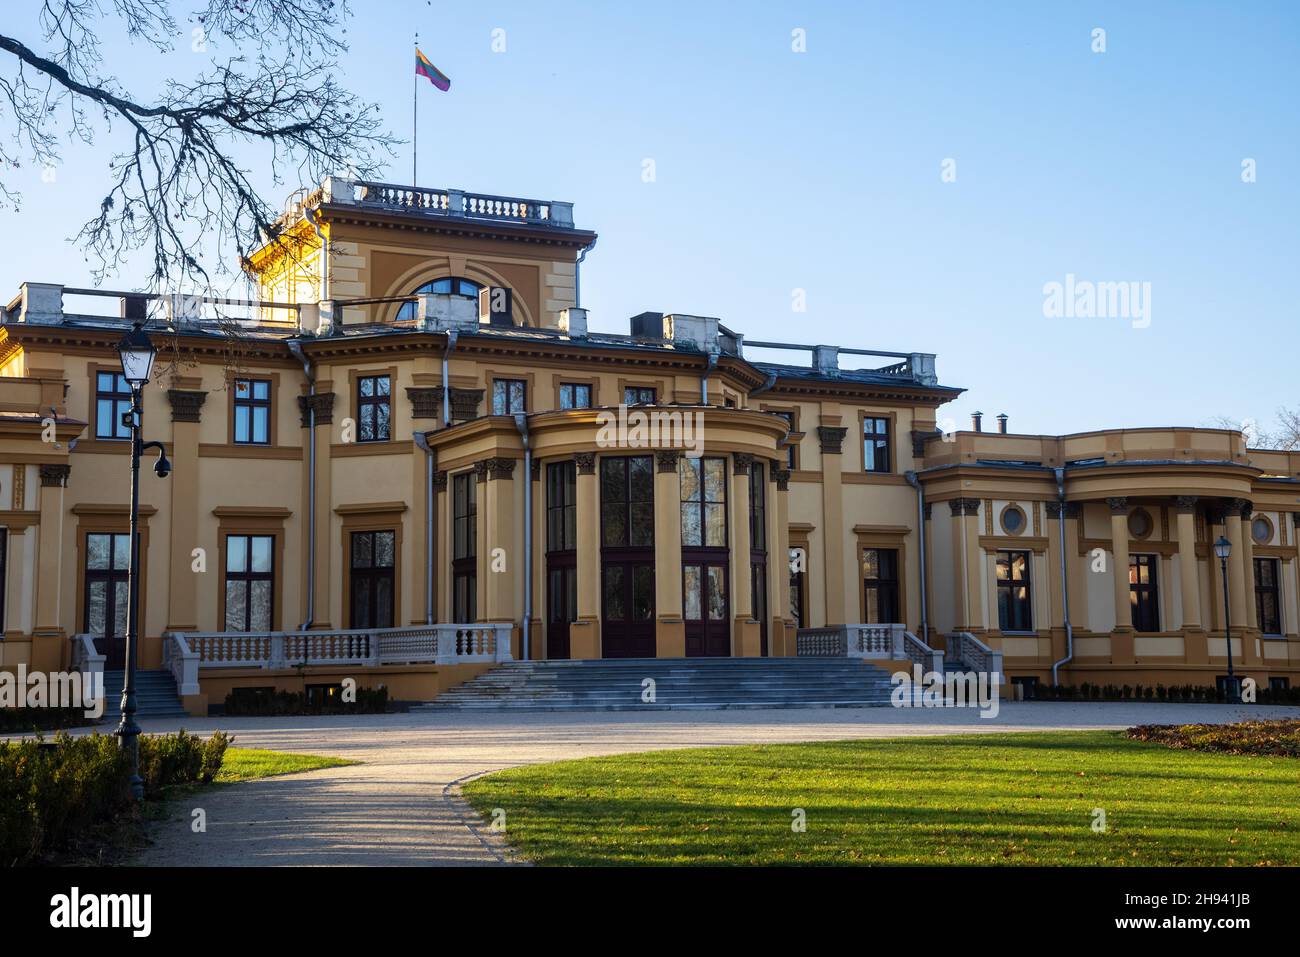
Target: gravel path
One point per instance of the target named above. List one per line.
(401, 806)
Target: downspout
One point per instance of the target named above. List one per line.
(577, 274)
(704, 380)
(1065, 584)
(422, 444)
(446, 382)
(521, 423)
(913, 481)
(296, 348)
(771, 381)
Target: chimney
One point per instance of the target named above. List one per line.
(1002, 422)
(977, 421)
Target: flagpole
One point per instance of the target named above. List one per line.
(415, 123)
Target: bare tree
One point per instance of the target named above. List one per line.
(178, 185)
(1285, 438)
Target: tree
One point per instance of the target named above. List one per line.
(178, 184)
(1286, 438)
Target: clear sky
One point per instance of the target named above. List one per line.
(821, 171)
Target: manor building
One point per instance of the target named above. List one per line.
(410, 458)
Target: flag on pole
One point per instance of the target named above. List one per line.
(426, 69)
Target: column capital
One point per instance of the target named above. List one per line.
(497, 468)
(536, 472)
(1243, 507)
(741, 462)
(832, 438)
(1118, 504)
(322, 403)
(481, 470)
(1185, 503)
(1295, 519)
(186, 404)
(55, 475)
(440, 480)
(964, 506)
(782, 477)
(426, 401)
(586, 462)
(1070, 509)
(925, 510)
(666, 460)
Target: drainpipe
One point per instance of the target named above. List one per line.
(577, 274)
(521, 423)
(296, 348)
(446, 381)
(913, 481)
(422, 444)
(704, 380)
(771, 381)
(1065, 584)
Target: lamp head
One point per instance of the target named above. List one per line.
(1222, 548)
(137, 353)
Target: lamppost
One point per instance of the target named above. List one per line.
(1223, 548)
(137, 354)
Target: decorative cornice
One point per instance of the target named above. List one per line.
(55, 476)
(586, 462)
(964, 506)
(666, 460)
(782, 477)
(322, 402)
(742, 462)
(831, 438)
(186, 404)
(1118, 505)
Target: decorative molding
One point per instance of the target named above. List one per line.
(919, 438)
(586, 462)
(322, 402)
(55, 476)
(464, 402)
(782, 477)
(667, 460)
(1118, 505)
(186, 404)
(1185, 504)
(1243, 507)
(440, 480)
(832, 438)
(536, 471)
(1071, 509)
(426, 401)
(926, 510)
(20, 487)
(481, 470)
(742, 462)
(964, 506)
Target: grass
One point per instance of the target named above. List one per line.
(248, 764)
(1023, 798)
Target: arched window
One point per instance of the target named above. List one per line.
(465, 288)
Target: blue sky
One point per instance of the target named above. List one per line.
(820, 171)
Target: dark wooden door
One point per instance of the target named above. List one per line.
(561, 606)
(706, 609)
(627, 609)
(108, 559)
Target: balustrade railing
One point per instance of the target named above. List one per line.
(86, 659)
(821, 642)
(883, 641)
(973, 653)
(454, 202)
(918, 652)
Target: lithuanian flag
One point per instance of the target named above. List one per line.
(426, 69)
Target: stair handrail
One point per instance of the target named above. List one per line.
(917, 651)
(975, 653)
(182, 661)
(87, 659)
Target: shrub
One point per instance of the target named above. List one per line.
(251, 702)
(168, 760)
(1280, 738)
(41, 719)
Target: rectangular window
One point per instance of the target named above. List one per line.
(108, 559)
(561, 507)
(791, 454)
(704, 502)
(508, 396)
(250, 582)
(875, 444)
(1143, 595)
(112, 402)
(4, 575)
(1268, 607)
(880, 586)
(798, 565)
(1015, 609)
(638, 395)
(464, 564)
(374, 558)
(252, 412)
(627, 502)
(575, 395)
(374, 408)
(758, 507)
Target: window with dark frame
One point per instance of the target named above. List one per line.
(1143, 592)
(1268, 608)
(791, 453)
(107, 561)
(798, 562)
(252, 412)
(638, 395)
(704, 502)
(561, 507)
(509, 396)
(4, 576)
(112, 403)
(374, 408)
(463, 288)
(373, 571)
(464, 564)
(575, 395)
(627, 502)
(758, 507)
(1015, 604)
(875, 444)
(880, 586)
(250, 582)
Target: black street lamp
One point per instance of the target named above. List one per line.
(137, 354)
(1223, 548)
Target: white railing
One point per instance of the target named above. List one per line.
(973, 653)
(852, 641)
(183, 662)
(87, 660)
(918, 652)
(455, 202)
(821, 642)
(444, 644)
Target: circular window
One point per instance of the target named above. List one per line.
(1013, 520)
(1139, 523)
(1261, 530)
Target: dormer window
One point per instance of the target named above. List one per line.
(450, 286)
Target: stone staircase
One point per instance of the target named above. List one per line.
(155, 695)
(702, 684)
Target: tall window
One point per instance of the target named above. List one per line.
(798, 569)
(758, 507)
(575, 395)
(250, 582)
(638, 395)
(112, 402)
(1142, 590)
(561, 507)
(880, 585)
(252, 412)
(1015, 609)
(875, 444)
(627, 502)
(463, 288)
(108, 557)
(509, 396)
(1267, 607)
(374, 556)
(464, 556)
(704, 502)
(373, 409)
(4, 575)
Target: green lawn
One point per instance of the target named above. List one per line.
(247, 764)
(1024, 798)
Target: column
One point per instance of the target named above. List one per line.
(778, 560)
(746, 641)
(503, 554)
(537, 624)
(1236, 571)
(442, 548)
(1121, 641)
(1250, 615)
(670, 629)
(48, 636)
(323, 405)
(1195, 647)
(966, 557)
(832, 443)
(182, 597)
(1058, 588)
(584, 634)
